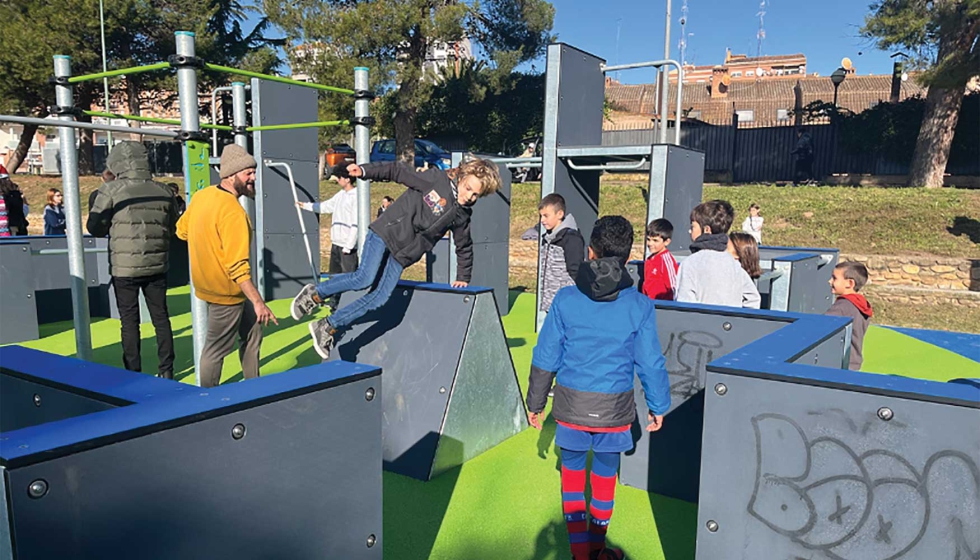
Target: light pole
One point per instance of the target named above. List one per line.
(837, 78)
(105, 81)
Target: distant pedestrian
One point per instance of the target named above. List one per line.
(13, 199)
(54, 214)
(803, 151)
(385, 203)
(753, 223)
(181, 203)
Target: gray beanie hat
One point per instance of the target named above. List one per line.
(234, 158)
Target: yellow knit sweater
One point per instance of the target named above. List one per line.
(218, 236)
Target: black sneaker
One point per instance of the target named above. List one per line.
(305, 302)
(323, 338)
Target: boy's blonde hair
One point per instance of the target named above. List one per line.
(484, 170)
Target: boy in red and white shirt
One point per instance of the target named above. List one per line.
(660, 268)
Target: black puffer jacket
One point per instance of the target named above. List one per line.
(412, 225)
(138, 214)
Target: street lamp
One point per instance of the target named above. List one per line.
(838, 78)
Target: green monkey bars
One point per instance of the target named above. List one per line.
(280, 79)
(150, 119)
(120, 72)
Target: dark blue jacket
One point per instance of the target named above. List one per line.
(597, 334)
(54, 220)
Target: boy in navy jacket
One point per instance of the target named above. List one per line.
(597, 334)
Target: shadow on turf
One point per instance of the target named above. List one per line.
(970, 227)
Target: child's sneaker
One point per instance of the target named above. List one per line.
(305, 302)
(323, 338)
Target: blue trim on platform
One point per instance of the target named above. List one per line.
(434, 287)
(145, 401)
(964, 344)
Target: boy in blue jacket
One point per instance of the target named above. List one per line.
(597, 334)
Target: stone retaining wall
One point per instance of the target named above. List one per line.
(921, 272)
(924, 296)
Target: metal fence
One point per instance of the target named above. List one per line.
(763, 154)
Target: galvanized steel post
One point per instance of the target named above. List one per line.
(362, 145)
(73, 214)
(190, 122)
(239, 121)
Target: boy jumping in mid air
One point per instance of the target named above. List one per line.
(660, 269)
(846, 282)
(435, 202)
(597, 334)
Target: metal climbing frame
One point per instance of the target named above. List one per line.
(196, 160)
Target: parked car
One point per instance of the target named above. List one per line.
(425, 152)
(528, 147)
(339, 153)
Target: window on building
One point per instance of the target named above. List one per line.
(695, 114)
(737, 74)
(782, 114)
(750, 73)
(745, 115)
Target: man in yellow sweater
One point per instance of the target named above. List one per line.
(218, 236)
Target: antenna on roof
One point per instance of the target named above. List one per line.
(682, 45)
(760, 36)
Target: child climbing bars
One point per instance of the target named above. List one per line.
(435, 202)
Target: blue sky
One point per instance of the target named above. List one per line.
(824, 30)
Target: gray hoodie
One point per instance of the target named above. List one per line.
(715, 278)
(562, 251)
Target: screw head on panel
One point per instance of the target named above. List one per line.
(727, 326)
(371, 541)
(466, 299)
(442, 390)
(712, 526)
(369, 394)
(37, 399)
(885, 413)
(721, 389)
(238, 431)
(37, 489)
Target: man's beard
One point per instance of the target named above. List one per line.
(241, 188)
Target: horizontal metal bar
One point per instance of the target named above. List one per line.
(652, 63)
(607, 166)
(89, 126)
(770, 275)
(120, 72)
(65, 251)
(516, 160)
(605, 151)
(280, 79)
(156, 120)
(292, 126)
(520, 165)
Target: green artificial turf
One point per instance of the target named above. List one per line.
(504, 503)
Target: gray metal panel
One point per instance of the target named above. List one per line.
(437, 269)
(416, 339)
(485, 404)
(491, 215)
(275, 103)
(287, 267)
(491, 263)
(583, 91)
(17, 294)
(690, 340)
(684, 183)
(797, 471)
(808, 292)
(832, 353)
(277, 198)
(305, 482)
(52, 282)
(6, 544)
(24, 403)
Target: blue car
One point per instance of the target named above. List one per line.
(425, 152)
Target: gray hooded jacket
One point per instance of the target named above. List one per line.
(138, 214)
(562, 251)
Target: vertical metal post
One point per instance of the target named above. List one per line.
(105, 68)
(549, 153)
(362, 145)
(73, 215)
(664, 104)
(190, 122)
(239, 121)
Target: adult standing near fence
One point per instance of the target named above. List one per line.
(803, 151)
(343, 229)
(13, 199)
(139, 215)
(219, 236)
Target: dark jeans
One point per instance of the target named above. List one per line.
(127, 300)
(803, 171)
(375, 258)
(340, 262)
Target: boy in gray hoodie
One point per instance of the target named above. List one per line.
(710, 275)
(562, 248)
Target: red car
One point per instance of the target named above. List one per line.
(339, 153)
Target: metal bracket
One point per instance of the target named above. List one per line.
(365, 121)
(59, 80)
(824, 260)
(60, 110)
(607, 166)
(180, 61)
(239, 129)
(364, 94)
(189, 136)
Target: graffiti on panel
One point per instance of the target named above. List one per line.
(687, 353)
(871, 504)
